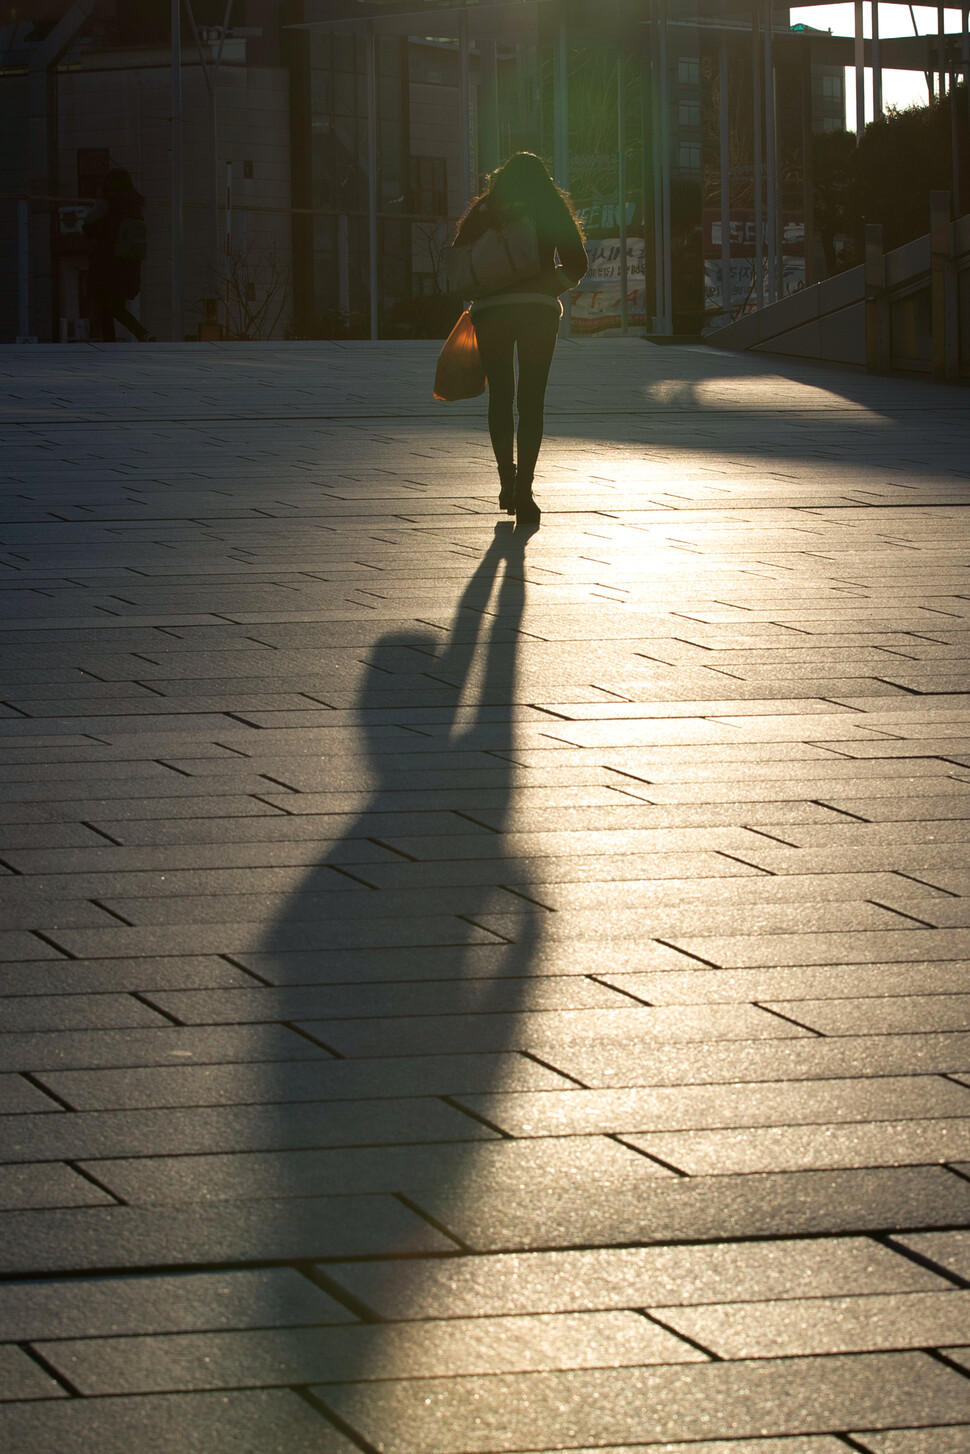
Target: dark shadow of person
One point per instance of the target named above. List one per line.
(408, 962)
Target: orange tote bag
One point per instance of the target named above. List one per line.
(460, 374)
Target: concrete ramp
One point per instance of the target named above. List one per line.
(829, 321)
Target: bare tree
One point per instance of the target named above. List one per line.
(259, 288)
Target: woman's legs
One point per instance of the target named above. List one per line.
(113, 307)
(536, 344)
(496, 344)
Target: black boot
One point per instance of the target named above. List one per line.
(506, 497)
(527, 512)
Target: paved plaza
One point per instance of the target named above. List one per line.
(468, 990)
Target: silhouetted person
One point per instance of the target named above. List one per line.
(523, 318)
(116, 227)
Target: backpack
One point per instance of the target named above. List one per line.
(501, 257)
(131, 243)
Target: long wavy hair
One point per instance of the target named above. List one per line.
(523, 187)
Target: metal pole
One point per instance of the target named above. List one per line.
(724, 136)
(668, 316)
(23, 270)
(464, 106)
(648, 190)
(770, 163)
(757, 179)
(560, 130)
(940, 46)
(213, 74)
(176, 170)
(876, 64)
(859, 62)
(621, 184)
(965, 57)
(560, 104)
(372, 174)
(657, 163)
(228, 237)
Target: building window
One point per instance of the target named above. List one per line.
(689, 113)
(833, 123)
(93, 164)
(832, 86)
(248, 170)
(689, 71)
(429, 186)
(689, 156)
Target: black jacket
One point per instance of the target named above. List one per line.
(109, 275)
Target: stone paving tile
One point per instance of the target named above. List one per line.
(780, 1396)
(497, 1167)
(825, 1325)
(113, 1238)
(581, 1112)
(272, 1422)
(105, 1307)
(772, 1148)
(283, 1082)
(475, 862)
(954, 1439)
(860, 1055)
(416, 1350)
(619, 1277)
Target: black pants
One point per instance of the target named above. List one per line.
(111, 306)
(530, 330)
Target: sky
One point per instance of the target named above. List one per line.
(899, 88)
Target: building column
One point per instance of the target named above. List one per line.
(372, 243)
(757, 162)
(488, 110)
(771, 163)
(808, 167)
(464, 108)
(859, 61)
(560, 125)
(621, 181)
(175, 123)
(667, 322)
(724, 137)
(876, 64)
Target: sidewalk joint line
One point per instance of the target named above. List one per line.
(306, 1035)
(637, 999)
(924, 923)
(115, 842)
(678, 1171)
(476, 1116)
(547, 1065)
(941, 1357)
(788, 1019)
(305, 1393)
(143, 999)
(244, 969)
(32, 1079)
(887, 1239)
(79, 1170)
(54, 1373)
(683, 1337)
(52, 943)
(418, 1211)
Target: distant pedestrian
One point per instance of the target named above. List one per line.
(116, 227)
(523, 318)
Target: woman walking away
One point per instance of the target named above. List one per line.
(524, 317)
(116, 226)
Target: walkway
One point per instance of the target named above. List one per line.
(470, 992)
